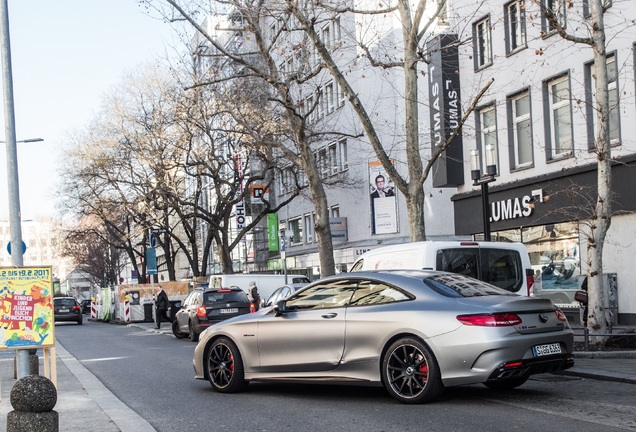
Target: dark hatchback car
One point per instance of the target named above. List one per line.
(86, 306)
(67, 309)
(202, 308)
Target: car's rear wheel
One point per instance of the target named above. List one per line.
(410, 372)
(225, 367)
(176, 332)
(507, 384)
(194, 336)
(80, 320)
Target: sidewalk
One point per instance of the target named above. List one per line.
(83, 403)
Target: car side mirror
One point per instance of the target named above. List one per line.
(280, 308)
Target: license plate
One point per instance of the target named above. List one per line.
(232, 310)
(549, 349)
(63, 310)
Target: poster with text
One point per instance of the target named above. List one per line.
(26, 307)
(383, 201)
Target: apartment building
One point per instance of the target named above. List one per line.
(539, 118)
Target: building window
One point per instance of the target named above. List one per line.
(341, 97)
(329, 93)
(487, 133)
(335, 211)
(296, 231)
(333, 158)
(521, 130)
(344, 158)
(558, 117)
(309, 228)
(614, 112)
(326, 37)
(515, 23)
(482, 46)
(553, 15)
(587, 12)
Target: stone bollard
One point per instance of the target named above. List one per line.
(33, 398)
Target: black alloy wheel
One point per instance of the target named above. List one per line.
(176, 332)
(225, 367)
(410, 372)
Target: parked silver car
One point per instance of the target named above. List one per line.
(412, 331)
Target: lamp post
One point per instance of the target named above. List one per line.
(483, 181)
(283, 254)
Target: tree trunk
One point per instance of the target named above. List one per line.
(598, 313)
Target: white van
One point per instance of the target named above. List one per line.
(266, 283)
(506, 265)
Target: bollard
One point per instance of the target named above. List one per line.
(33, 398)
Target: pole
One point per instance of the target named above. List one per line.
(485, 206)
(22, 356)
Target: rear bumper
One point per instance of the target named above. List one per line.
(532, 367)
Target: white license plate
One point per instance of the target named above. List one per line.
(63, 310)
(549, 349)
(232, 310)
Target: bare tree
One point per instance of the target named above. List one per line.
(284, 124)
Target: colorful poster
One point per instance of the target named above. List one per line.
(26, 307)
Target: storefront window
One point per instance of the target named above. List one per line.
(555, 258)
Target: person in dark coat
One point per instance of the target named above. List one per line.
(255, 297)
(161, 304)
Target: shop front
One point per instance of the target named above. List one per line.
(549, 215)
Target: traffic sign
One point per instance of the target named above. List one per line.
(23, 248)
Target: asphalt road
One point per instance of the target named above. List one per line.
(152, 373)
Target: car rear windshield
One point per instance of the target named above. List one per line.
(452, 285)
(64, 302)
(500, 267)
(227, 296)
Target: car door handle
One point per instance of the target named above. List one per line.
(330, 315)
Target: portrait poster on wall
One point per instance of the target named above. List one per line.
(383, 200)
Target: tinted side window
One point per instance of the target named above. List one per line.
(461, 261)
(502, 268)
(326, 295)
(371, 293)
(357, 266)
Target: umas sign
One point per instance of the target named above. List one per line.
(26, 307)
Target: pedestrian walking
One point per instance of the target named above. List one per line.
(255, 297)
(161, 304)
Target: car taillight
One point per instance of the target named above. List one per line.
(560, 315)
(252, 308)
(491, 320)
(75, 308)
(529, 280)
(202, 312)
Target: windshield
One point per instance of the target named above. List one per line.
(453, 285)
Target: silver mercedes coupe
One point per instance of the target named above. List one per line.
(414, 332)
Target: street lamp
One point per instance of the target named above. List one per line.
(283, 254)
(489, 176)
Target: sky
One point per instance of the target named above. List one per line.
(66, 54)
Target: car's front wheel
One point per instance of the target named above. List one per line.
(225, 367)
(410, 372)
